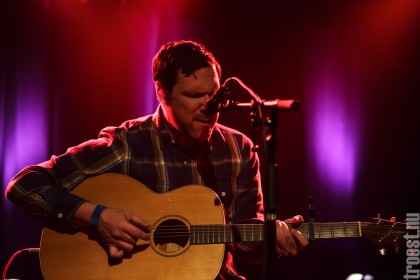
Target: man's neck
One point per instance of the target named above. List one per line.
(183, 140)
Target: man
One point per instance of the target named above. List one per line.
(178, 145)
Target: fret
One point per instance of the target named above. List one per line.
(332, 230)
(194, 232)
(218, 234)
(208, 233)
(205, 234)
(319, 230)
(214, 233)
(345, 229)
(342, 230)
(224, 234)
(211, 234)
(197, 235)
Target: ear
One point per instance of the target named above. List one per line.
(160, 92)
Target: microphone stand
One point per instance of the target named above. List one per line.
(270, 197)
(269, 129)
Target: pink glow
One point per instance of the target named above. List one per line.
(337, 78)
(333, 121)
(28, 141)
(334, 137)
(142, 54)
(148, 30)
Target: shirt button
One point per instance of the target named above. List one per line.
(172, 141)
(185, 162)
(223, 193)
(60, 215)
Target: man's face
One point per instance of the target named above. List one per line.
(183, 106)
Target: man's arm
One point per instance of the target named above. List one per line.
(118, 228)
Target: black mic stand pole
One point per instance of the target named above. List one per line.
(269, 127)
(271, 196)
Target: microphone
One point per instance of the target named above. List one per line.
(215, 102)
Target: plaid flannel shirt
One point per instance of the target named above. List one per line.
(144, 149)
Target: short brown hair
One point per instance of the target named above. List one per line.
(187, 56)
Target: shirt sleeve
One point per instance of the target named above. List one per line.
(248, 204)
(43, 190)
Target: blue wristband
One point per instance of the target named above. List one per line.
(96, 215)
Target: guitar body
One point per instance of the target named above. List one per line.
(82, 256)
(187, 234)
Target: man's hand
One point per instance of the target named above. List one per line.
(290, 241)
(121, 230)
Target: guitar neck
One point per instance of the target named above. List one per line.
(330, 230)
(213, 234)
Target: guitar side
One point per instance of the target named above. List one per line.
(80, 255)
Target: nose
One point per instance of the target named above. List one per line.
(203, 101)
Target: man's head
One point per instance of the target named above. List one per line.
(185, 76)
(184, 56)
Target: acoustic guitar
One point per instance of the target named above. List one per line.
(188, 234)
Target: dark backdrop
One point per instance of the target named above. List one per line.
(69, 68)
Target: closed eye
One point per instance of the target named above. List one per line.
(195, 94)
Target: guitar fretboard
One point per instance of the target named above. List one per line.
(213, 234)
(331, 230)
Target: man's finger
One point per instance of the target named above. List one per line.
(136, 233)
(114, 252)
(296, 221)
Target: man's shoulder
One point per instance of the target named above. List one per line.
(130, 126)
(228, 131)
(139, 123)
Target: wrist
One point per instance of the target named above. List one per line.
(96, 215)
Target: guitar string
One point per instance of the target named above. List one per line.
(338, 229)
(204, 233)
(325, 226)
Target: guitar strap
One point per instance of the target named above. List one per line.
(233, 276)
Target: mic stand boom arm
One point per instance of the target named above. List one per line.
(278, 104)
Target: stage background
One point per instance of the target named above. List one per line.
(70, 68)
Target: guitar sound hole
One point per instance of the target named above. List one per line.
(171, 236)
